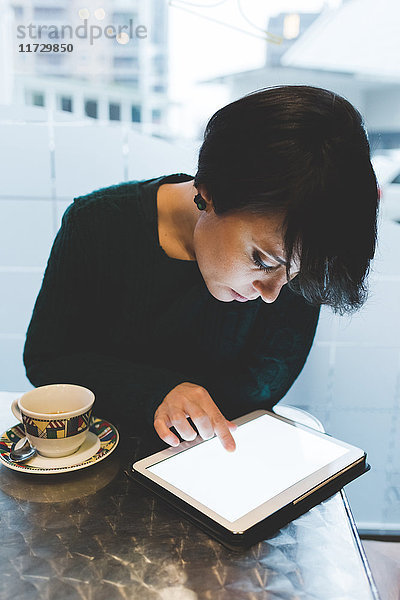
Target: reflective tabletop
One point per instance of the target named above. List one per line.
(95, 534)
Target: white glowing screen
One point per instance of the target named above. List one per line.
(270, 457)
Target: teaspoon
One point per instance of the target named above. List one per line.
(22, 450)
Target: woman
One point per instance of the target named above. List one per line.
(188, 301)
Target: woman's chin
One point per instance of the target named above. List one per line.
(221, 294)
(226, 295)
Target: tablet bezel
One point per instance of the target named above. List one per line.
(292, 495)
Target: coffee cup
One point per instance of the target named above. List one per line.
(56, 417)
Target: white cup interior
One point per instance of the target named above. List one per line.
(56, 399)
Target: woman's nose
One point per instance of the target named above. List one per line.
(270, 288)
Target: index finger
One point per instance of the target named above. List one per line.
(164, 432)
(223, 432)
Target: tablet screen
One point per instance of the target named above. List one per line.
(270, 457)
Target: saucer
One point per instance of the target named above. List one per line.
(101, 440)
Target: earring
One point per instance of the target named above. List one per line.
(199, 200)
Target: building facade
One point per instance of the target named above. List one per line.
(108, 62)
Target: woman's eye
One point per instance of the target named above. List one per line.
(257, 261)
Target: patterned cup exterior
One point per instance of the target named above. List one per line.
(55, 429)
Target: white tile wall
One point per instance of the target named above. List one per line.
(366, 429)
(367, 499)
(19, 292)
(372, 324)
(87, 157)
(145, 157)
(313, 381)
(26, 232)
(358, 396)
(358, 380)
(12, 371)
(25, 168)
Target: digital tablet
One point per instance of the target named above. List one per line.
(279, 470)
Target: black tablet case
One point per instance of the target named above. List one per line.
(266, 527)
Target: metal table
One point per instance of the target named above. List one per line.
(95, 534)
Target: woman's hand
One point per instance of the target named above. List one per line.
(191, 400)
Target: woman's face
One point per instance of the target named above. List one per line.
(231, 251)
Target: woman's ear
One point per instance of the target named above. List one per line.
(206, 196)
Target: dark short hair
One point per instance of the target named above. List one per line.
(302, 151)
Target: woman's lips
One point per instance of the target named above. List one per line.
(238, 297)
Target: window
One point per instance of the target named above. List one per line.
(35, 98)
(48, 12)
(128, 80)
(156, 115)
(125, 62)
(159, 64)
(114, 111)
(66, 103)
(159, 88)
(91, 108)
(122, 17)
(18, 12)
(45, 59)
(136, 114)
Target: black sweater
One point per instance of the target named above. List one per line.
(116, 314)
